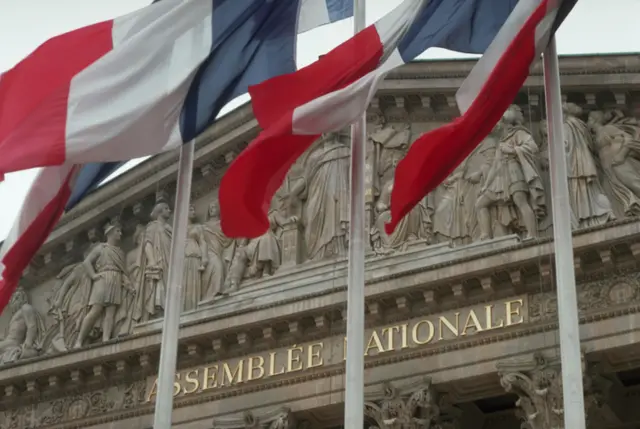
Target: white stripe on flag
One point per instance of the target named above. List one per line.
(312, 14)
(472, 85)
(334, 111)
(119, 104)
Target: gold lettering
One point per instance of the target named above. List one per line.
(488, 315)
(416, 328)
(444, 321)
(291, 359)
(472, 322)
(513, 309)
(210, 377)
(389, 332)
(253, 366)
(192, 379)
(153, 391)
(403, 336)
(176, 385)
(315, 354)
(272, 365)
(374, 343)
(234, 377)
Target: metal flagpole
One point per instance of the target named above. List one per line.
(354, 387)
(570, 355)
(173, 299)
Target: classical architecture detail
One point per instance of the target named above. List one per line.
(512, 187)
(410, 407)
(281, 418)
(25, 332)
(467, 278)
(538, 384)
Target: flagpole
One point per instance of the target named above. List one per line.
(173, 298)
(354, 379)
(569, 328)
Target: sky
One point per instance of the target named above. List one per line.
(594, 26)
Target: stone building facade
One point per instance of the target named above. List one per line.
(460, 301)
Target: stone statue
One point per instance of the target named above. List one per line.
(513, 181)
(69, 304)
(220, 252)
(107, 269)
(325, 190)
(416, 225)
(239, 263)
(154, 265)
(617, 141)
(266, 251)
(124, 316)
(455, 218)
(589, 204)
(389, 147)
(196, 260)
(23, 337)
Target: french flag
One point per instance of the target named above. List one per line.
(137, 85)
(330, 94)
(487, 92)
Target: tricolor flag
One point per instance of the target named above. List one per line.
(130, 87)
(328, 95)
(489, 89)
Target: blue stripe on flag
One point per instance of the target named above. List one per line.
(89, 177)
(459, 25)
(339, 9)
(253, 40)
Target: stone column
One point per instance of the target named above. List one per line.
(412, 406)
(281, 418)
(538, 384)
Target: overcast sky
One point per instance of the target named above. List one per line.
(594, 26)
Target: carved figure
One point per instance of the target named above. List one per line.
(154, 265)
(69, 304)
(416, 225)
(196, 260)
(106, 266)
(239, 264)
(589, 205)
(389, 147)
(23, 338)
(124, 315)
(220, 252)
(617, 139)
(324, 189)
(513, 181)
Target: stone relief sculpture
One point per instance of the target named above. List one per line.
(324, 189)
(589, 204)
(513, 185)
(69, 304)
(106, 267)
(24, 335)
(389, 147)
(195, 263)
(220, 250)
(238, 269)
(617, 141)
(154, 265)
(416, 225)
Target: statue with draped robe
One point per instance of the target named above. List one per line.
(325, 191)
(220, 250)
(195, 263)
(154, 265)
(589, 204)
(24, 334)
(617, 142)
(513, 184)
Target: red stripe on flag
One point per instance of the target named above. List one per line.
(254, 177)
(30, 241)
(34, 94)
(434, 155)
